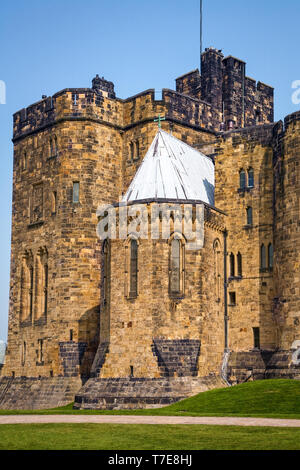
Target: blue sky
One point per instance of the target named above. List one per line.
(48, 45)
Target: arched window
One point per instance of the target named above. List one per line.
(242, 179)
(31, 292)
(270, 256)
(106, 271)
(24, 289)
(250, 178)
(263, 263)
(39, 297)
(131, 267)
(217, 255)
(239, 265)
(232, 265)
(249, 216)
(26, 306)
(45, 289)
(176, 267)
(41, 284)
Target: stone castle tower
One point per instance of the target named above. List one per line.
(81, 148)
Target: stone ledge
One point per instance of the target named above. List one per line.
(37, 393)
(141, 392)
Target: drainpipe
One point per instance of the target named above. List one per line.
(226, 349)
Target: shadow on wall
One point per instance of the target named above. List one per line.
(88, 332)
(210, 189)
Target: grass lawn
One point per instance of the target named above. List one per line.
(277, 398)
(145, 437)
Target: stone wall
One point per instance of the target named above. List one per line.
(239, 100)
(197, 315)
(29, 393)
(64, 231)
(85, 136)
(125, 393)
(259, 364)
(253, 288)
(177, 357)
(286, 305)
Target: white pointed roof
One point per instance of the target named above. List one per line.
(172, 169)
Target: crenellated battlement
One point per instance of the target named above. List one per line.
(291, 118)
(87, 103)
(221, 98)
(241, 101)
(69, 103)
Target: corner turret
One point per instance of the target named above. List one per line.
(103, 87)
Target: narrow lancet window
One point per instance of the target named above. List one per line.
(137, 150)
(263, 263)
(24, 161)
(256, 337)
(41, 283)
(242, 179)
(76, 192)
(175, 267)
(31, 292)
(40, 351)
(26, 288)
(239, 265)
(55, 146)
(131, 146)
(54, 202)
(250, 178)
(106, 272)
(270, 256)
(45, 289)
(50, 147)
(217, 252)
(133, 282)
(249, 216)
(232, 265)
(23, 354)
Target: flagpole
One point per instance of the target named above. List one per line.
(201, 45)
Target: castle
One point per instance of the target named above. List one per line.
(100, 321)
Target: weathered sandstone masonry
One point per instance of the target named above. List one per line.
(81, 148)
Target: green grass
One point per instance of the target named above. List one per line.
(264, 398)
(145, 437)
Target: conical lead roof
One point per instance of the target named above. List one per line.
(172, 169)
